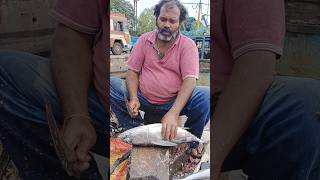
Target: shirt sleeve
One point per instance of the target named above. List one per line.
(137, 56)
(80, 15)
(255, 25)
(189, 62)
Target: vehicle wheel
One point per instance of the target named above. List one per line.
(117, 48)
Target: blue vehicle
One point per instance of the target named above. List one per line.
(203, 44)
(133, 41)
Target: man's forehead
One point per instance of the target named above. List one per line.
(171, 9)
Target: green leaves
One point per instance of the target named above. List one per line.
(146, 21)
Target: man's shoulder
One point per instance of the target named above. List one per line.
(147, 36)
(186, 41)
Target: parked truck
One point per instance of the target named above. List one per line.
(120, 39)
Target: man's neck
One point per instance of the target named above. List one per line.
(162, 44)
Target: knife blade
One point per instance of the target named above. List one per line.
(59, 145)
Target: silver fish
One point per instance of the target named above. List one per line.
(201, 175)
(151, 135)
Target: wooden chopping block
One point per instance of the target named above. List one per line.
(149, 163)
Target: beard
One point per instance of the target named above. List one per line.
(166, 34)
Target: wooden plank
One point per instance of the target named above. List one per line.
(118, 65)
(149, 162)
(25, 25)
(303, 16)
(301, 56)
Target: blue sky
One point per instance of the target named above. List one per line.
(142, 4)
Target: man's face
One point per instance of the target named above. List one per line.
(168, 23)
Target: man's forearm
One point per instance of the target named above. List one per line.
(132, 80)
(251, 76)
(184, 94)
(71, 63)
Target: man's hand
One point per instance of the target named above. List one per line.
(134, 105)
(79, 135)
(170, 122)
(132, 80)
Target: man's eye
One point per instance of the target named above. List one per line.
(163, 19)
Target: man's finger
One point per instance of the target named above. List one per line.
(71, 156)
(69, 140)
(68, 149)
(132, 111)
(136, 109)
(168, 131)
(163, 130)
(174, 132)
(83, 157)
(83, 148)
(74, 144)
(81, 166)
(131, 105)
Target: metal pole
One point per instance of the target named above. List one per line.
(199, 14)
(202, 48)
(135, 15)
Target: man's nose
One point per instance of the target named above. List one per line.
(166, 24)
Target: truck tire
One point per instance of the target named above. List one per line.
(117, 48)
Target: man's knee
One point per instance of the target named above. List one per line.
(115, 80)
(299, 139)
(200, 100)
(305, 90)
(8, 57)
(309, 134)
(22, 63)
(308, 141)
(11, 68)
(202, 93)
(116, 86)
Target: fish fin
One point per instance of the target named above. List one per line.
(164, 143)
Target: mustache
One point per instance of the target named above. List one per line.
(166, 30)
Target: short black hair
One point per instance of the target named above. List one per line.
(183, 10)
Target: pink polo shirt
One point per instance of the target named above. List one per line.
(161, 80)
(240, 27)
(89, 17)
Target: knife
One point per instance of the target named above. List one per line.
(59, 145)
